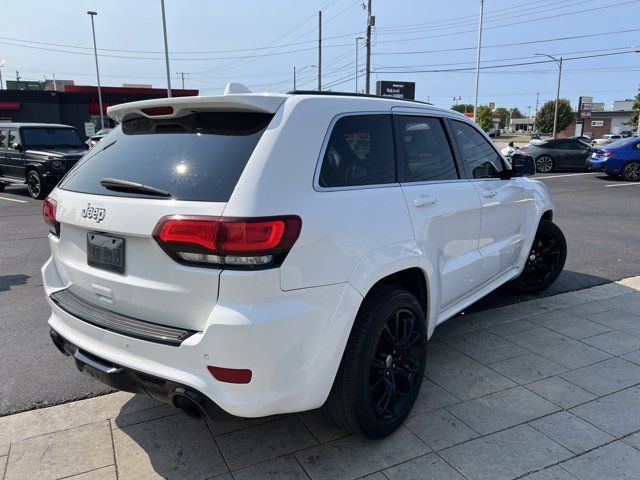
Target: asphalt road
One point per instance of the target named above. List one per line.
(598, 215)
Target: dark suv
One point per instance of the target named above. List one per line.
(37, 154)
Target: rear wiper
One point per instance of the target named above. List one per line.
(128, 186)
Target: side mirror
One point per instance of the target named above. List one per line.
(522, 165)
(16, 146)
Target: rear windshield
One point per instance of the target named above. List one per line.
(51, 137)
(199, 157)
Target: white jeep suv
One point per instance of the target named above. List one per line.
(274, 253)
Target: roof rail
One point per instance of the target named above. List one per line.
(349, 94)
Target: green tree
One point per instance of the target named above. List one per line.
(544, 119)
(635, 116)
(463, 108)
(485, 118)
(504, 116)
(516, 113)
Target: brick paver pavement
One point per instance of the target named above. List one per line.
(545, 389)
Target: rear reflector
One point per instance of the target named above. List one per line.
(230, 375)
(49, 207)
(240, 243)
(155, 111)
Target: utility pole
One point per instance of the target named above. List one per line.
(166, 49)
(17, 76)
(357, 38)
(370, 22)
(294, 77)
(182, 74)
(320, 50)
(475, 105)
(456, 100)
(528, 111)
(537, 102)
(55, 85)
(95, 53)
(558, 61)
(1, 65)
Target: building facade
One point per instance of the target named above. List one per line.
(77, 105)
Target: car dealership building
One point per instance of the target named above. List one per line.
(74, 105)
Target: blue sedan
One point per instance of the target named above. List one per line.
(620, 158)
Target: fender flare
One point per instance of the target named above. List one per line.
(390, 259)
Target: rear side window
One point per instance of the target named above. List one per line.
(199, 157)
(480, 158)
(426, 149)
(360, 151)
(14, 137)
(3, 138)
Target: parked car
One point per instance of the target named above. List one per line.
(606, 139)
(37, 154)
(494, 132)
(558, 154)
(275, 253)
(620, 158)
(99, 135)
(626, 133)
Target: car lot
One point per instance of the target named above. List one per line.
(598, 215)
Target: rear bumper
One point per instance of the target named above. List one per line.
(596, 164)
(130, 380)
(291, 341)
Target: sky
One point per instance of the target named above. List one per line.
(258, 43)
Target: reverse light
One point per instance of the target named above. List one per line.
(235, 243)
(49, 207)
(230, 375)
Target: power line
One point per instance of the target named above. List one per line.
(512, 23)
(504, 65)
(513, 44)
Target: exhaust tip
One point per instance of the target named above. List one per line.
(188, 407)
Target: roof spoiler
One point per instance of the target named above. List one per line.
(236, 98)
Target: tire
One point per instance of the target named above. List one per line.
(545, 261)
(544, 164)
(35, 185)
(631, 172)
(2, 185)
(377, 382)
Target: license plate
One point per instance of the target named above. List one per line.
(105, 252)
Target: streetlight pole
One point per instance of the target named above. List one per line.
(1, 65)
(475, 105)
(558, 61)
(297, 72)
(166, 49)
(357, 39)
(95, 52)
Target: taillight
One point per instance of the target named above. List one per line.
(235, 243)
(49, 214)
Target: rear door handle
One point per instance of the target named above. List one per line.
(424, 201)
(489, 194)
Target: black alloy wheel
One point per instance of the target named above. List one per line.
(34, 185)
(545, 261)
(382, 366)
(631, 171)
(395, 364)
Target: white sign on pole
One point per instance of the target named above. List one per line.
(89, 129)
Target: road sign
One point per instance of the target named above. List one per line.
(387, 88)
